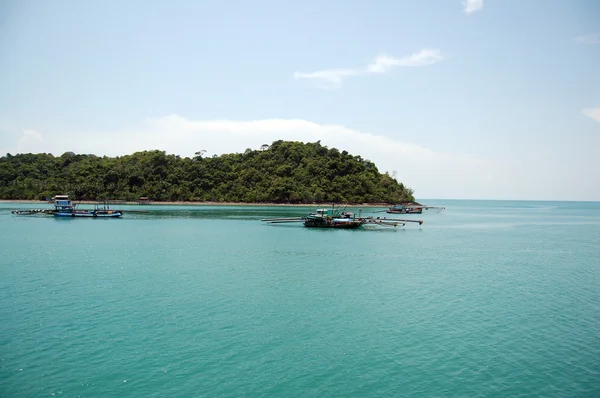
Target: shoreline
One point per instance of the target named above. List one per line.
(170, 203)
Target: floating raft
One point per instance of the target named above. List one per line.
(28, 212)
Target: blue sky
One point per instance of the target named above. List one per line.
(479, 99)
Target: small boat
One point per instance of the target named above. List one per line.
(330, 218)
(401, 209)
(410, 208)
(104, 210)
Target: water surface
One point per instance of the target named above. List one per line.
(487, 298)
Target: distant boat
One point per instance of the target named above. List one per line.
(331, 218)
(401, 209)
(410, 208)
(63, 207)
(335, 218)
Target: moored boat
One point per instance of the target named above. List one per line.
(334, 218)
(331, 218)
(410, 208)
(104, 210)
(64, 207)
(401, 209)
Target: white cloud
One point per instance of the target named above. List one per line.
(594, 112)
(470, 6)
(30, 141)
(383, 63)
(593, 38)
(332, 78)
(329, 78)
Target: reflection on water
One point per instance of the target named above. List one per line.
(229, 213)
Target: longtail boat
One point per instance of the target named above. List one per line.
(335, 218)
(400, 209)
(410, 209)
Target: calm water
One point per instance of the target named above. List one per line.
(487, 298)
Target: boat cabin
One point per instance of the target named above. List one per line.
(62, 204)
(332, 213)
(61, 200)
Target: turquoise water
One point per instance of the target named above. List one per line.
(486, 298)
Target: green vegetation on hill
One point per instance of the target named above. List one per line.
(285, 172)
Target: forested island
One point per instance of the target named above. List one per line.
(283, 172)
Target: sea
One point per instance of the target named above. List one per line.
(484, 299)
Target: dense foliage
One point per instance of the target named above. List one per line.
(285, 172)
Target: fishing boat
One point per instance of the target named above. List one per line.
(401, 209)
(335, 218)
(410, 209)
(64, 207)
(104, 210)
(330, 218)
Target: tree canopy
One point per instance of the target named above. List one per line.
(283, 172)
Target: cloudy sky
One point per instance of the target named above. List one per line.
(491, 99)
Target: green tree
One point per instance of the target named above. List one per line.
(283, 172)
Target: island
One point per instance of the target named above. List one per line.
(286, 172)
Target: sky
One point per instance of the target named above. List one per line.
(476, 99)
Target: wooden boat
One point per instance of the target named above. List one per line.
(400, 209)
(330, 218)
(410, 209)
(335, 218)
(104, 210)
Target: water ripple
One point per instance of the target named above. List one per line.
(479, 301)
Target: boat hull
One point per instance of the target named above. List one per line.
(63, 214)
(90, 214)
(108, 213)
(405, 211)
